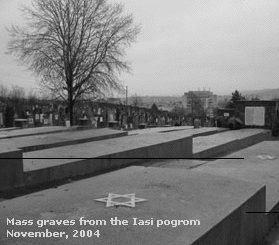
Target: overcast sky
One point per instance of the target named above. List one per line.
(184, 45)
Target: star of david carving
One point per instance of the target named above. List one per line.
(110, 202)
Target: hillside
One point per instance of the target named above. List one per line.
(263, 94)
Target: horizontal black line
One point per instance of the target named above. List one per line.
(262, 212)
(123, 158)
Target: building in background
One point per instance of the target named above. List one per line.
(207, 99)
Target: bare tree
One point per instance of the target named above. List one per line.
(17, 92)
(17, 97)
(4, 91)
(77, 46)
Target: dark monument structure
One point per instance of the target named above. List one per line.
(260, 114)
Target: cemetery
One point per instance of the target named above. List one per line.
(84, 161)
(29, 114)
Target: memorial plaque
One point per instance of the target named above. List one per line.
(249, 111)
(254, 116)
(259, 116)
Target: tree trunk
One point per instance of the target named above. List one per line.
(71, 109)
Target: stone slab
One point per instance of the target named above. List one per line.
(51, 140)
(196, 132)
(220, 204)
(211, 146)
(67, 162)
(78, 160)
(226, 142)
(41, 170)
(158, 130)
(21, 132)
(31, 131)
(11, 169)
(8, 129)
(260, 165)
(106, 147)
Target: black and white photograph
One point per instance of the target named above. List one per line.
(139, 122)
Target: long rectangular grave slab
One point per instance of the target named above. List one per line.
(227, 142)
(155, 207)
(260, 165)
(15, 132)
(196, 132)
(77, 160)
(46, 171)
(51, 140)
